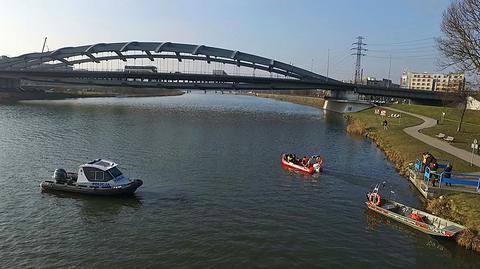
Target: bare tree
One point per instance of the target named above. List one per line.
(462, 95)
(460, 43)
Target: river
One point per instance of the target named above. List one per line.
(214, 192)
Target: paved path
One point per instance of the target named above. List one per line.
(435, 142)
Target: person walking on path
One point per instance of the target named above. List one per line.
(385, 125)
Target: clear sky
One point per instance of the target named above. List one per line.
(300, 32)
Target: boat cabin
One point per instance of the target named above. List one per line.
(100, 170)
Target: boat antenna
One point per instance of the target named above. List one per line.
(44, 42)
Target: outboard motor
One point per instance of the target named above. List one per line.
(60, 175)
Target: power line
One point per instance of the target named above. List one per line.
(341, 60)
(335, 67)
(406, 56)
(405, 49)
(402, 43)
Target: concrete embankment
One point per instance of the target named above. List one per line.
(316, 102)
(339, 106)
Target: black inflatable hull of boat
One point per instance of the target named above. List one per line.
(124, 190)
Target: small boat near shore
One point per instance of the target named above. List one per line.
(98, 177)
(309, 166)
(415, 218)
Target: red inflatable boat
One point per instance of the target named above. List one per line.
(314, 164)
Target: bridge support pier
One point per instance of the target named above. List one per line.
(345, 102)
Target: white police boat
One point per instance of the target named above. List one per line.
(98, 177)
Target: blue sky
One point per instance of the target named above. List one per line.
(300, 32)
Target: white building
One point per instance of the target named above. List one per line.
(473, 104)
(432, 82)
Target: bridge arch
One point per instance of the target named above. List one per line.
(152, 50)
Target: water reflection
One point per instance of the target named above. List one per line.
(304, 176)
(98, 208)
(376, 222)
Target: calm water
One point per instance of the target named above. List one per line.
(214, 192)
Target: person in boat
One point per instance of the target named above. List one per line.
(295, 159)
(291, 158)
(305, 161)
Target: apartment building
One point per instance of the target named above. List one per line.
(432, 82)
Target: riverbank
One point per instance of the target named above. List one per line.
(64, 92)
(402, 150)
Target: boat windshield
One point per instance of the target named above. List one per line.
(115, 172)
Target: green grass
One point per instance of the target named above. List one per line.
(403, 149)
(470, 128)
(468, 205)
(406, 147)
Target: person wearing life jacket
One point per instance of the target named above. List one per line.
(305, 161)
(319, 161)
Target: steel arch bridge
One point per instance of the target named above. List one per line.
(69, 56)
(57, 67)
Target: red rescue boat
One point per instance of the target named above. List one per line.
(306, 165)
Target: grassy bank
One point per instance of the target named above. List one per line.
(399, 147)
(403, 149)
(470, 128)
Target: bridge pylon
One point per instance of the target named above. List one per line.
(345, 101)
